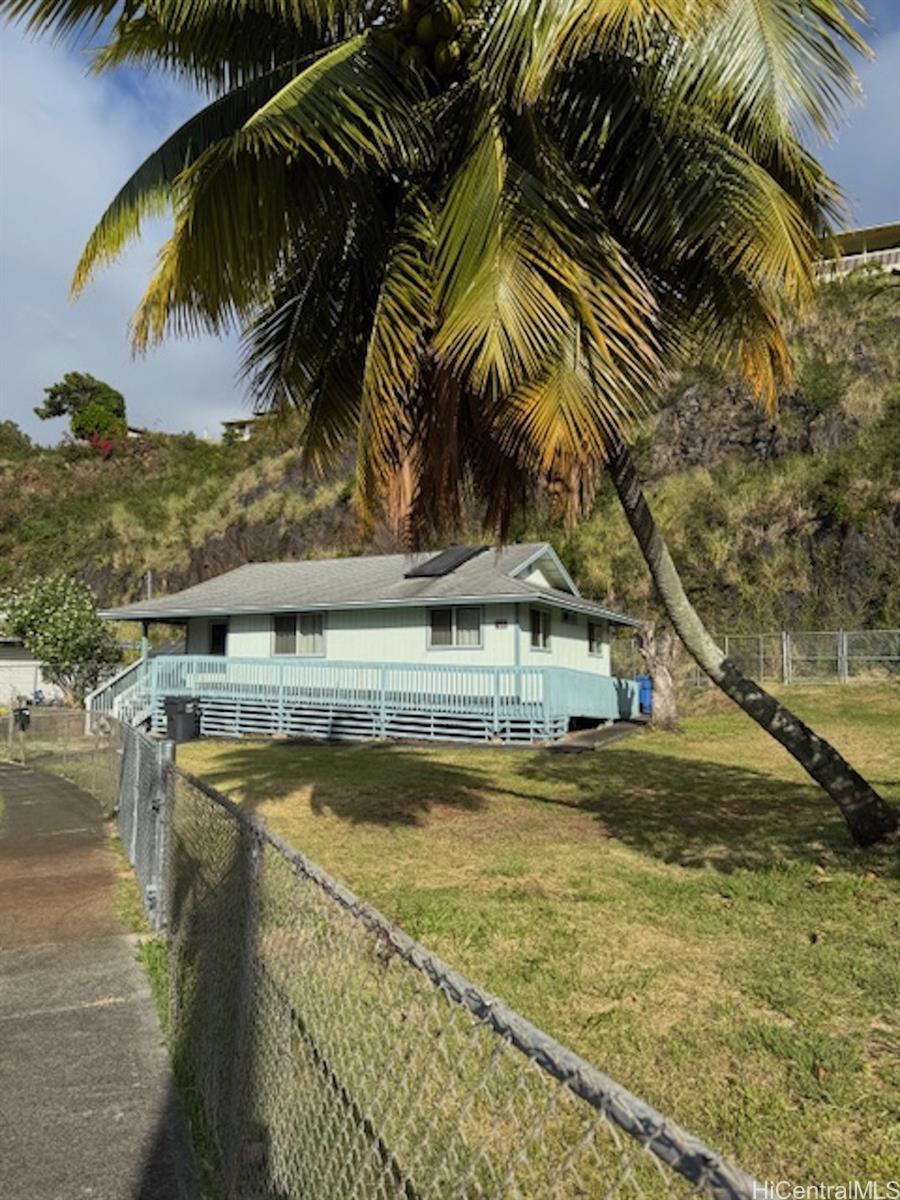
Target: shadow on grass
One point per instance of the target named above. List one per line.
(363, 784)
(699, 813)
(685, 811)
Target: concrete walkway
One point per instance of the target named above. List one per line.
(86, 1101)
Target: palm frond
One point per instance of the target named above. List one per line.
(777, 66)
(228, 250)
(404, 316)
(149, 191)
(499, 316)
(351, 107)
(566, 33)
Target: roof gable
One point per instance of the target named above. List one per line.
(545, 569)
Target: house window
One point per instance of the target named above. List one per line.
(286, 633)
(300, 633)
(540, 629)
(596, 638)
(312, 634)
(218, 637)
(454, 627)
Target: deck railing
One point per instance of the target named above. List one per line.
(833, 268)
(104, 697)
(378, 699)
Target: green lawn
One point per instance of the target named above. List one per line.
(683, 910)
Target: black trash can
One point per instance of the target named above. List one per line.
(182, 718)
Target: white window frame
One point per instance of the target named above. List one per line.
(546, 621)
(453, 609)
(296, 653)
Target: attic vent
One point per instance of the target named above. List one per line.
(445, 562)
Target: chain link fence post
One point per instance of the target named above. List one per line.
(843, 672)
(165, 759)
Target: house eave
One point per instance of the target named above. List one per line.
(533, 596)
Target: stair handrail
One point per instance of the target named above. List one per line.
(92, 699)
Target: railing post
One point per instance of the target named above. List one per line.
(281, 728)
(153, 689)
(496, 700)
(383, 702)
(786, 672)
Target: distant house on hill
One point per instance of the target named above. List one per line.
(470, 643)
(241, 429)
(876, 246)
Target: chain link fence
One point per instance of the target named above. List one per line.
(324, 1054)
(827, 656)
(83, 748)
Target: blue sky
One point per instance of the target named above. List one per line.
(68, 141)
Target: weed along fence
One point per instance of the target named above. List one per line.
(830, 656)
(322, 1053)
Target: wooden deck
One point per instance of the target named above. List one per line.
(303, 697)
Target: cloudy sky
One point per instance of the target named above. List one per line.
(68, 141)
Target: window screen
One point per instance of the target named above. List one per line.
(442, 627)
(286, 633)
(595, 638)
(468, 627)
(312, 634)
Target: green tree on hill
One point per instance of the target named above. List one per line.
(474, 240)
(95, 410)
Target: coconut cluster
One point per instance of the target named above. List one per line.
(432, 33)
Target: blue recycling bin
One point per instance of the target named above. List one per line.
(645, 693)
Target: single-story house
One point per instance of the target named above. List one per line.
(472, 643)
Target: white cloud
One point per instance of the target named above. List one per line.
(67, 143)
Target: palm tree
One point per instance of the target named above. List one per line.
(473, 236)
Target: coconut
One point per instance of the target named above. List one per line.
(447, 56)
(448, 16)
(426, 33)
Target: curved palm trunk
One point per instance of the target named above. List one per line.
(868, 816)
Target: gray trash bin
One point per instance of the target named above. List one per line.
(182, 718)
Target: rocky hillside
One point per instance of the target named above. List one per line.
(792, 522)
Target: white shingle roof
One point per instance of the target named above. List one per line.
(376, 581)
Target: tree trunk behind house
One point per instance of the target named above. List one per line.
(660, 654)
